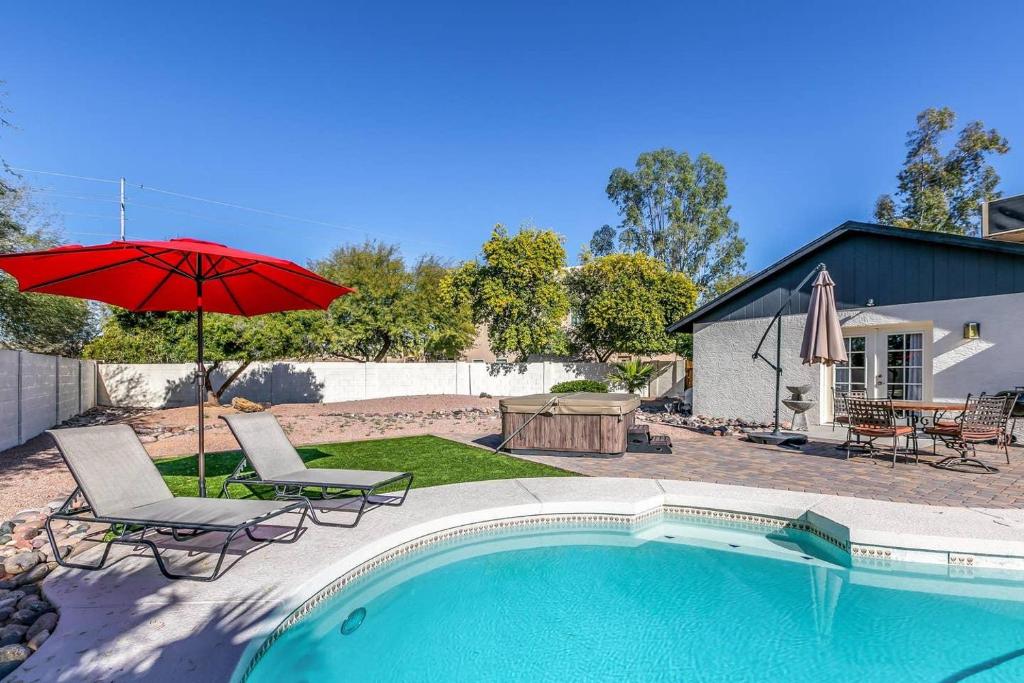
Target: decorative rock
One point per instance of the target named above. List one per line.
(26, 616)
(36, 641)
(11, 599)
(6, 527)
(45, 622)
(11, 656)
(12, 633)
(8, 584)
(244, 405)
(37, 573)
(22, 562)
(5, 613)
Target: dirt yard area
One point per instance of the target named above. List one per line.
(33, 474)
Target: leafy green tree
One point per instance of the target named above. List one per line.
(622, 303)
(517, 291)
(942, 191)
(394, 311)
(36, 322)
(129, 337)
(727, 284)
(632, 375)
(674, 209)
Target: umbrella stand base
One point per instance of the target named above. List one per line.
(778, 438)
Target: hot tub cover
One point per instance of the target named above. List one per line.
(582, 403)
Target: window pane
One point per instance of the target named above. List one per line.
(857, 360)
(895, 359)
(855, 343)
(842, 376)
(895, 342)
(857, 376)
(914, 392)
(914, 358)
(914, 341)
(896, 376)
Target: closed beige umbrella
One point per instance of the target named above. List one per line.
(823, 333)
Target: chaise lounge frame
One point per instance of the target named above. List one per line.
(296, 484)
(131, 530)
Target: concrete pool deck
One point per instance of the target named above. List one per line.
(128, 623)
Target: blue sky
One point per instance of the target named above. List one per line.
(426, 123)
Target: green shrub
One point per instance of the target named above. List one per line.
(575, 385)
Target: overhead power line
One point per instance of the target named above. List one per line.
(215, 202)
(64, 175)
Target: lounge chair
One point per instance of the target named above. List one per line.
(122, 488)
(277, 464)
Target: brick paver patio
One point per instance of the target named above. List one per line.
(819, 468)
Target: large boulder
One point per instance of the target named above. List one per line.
(244, 405)
(12, 634)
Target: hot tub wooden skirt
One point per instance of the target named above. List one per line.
(569, 428)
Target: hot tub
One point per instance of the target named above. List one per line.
(568, 424)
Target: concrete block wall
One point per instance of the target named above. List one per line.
(38, 392)
(171, 385)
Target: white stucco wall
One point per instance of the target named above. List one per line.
(171, 385)
(727, 383)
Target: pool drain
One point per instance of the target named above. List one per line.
(353, 621)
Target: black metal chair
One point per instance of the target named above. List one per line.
(875, 419)
(984, 420)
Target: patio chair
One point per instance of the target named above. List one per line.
(841, 413)
(946, 427)
(275, 463)
(123, 490)
(984, 420)
(875, 419)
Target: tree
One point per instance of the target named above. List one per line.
(632, 375)
(727, 284)
(36, 322)
(517, 291)
(394, 310)
(943, 191)
(129, 337)
(623, 303)
(674, 209)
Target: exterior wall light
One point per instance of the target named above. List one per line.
(972, 330)
(870, 303)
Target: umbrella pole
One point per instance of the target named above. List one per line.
(201, 389)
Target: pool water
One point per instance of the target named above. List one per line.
(679, 601)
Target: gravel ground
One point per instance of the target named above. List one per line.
(33, 474)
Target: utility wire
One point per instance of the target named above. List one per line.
(65, 175)
(217, 202)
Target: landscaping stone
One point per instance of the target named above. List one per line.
(36, 641)
(12, 633)
(37, 573)
(22, 562)
(244, 405)
(11, 656)
(26, 619)
(11, 599)
(45, 622)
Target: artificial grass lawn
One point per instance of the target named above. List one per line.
(432, 460)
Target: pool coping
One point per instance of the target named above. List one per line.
(128, 623)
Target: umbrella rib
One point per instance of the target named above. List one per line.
(287, 289)
(160, 263)
(90, 271)
(234, 299)
(300, 273)
(159, 285)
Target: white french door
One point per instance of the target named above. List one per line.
(885, 364)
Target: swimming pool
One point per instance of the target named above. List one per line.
(677, 600)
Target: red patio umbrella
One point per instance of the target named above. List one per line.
(176, 275)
